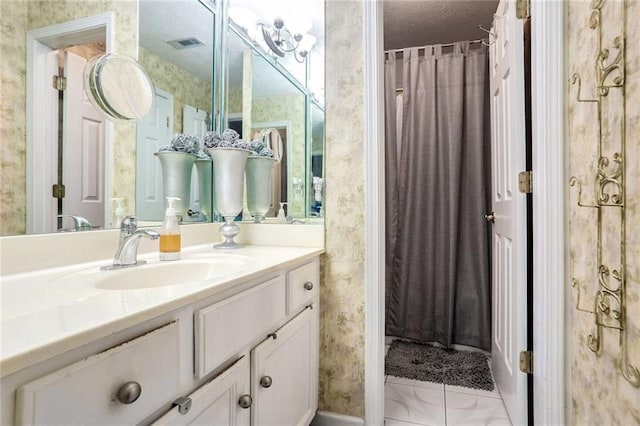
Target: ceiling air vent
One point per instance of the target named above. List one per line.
(185, 43)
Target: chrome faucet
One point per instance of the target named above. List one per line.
(130, 236)
(291, 219)
(79, 223)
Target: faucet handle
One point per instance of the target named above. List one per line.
(79, 222)
(129, 225)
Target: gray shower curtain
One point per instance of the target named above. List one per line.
(437, 241)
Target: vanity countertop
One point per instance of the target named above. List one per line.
(43, 315)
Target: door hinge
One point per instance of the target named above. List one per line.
(167, 122)
(523, 9)
(526, 362)
(525, 182)
(59, 83)
(58, 190)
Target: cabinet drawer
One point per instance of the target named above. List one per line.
(217, 402)
(87, 392)
(227, 327)
(302, 286)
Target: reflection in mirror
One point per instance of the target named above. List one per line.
(260, 97)
(272, 88)
(58, 38)
(317, 161)
(177, 48)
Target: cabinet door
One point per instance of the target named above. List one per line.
(217, 402)
(284, 374)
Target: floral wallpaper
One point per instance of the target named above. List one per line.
(186, 88)
(599, 393)
(13, 156)
(19, 16)
(342, 293)
(234, 100)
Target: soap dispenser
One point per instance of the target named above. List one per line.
(170, 233)
(282, 218)
(119, 213)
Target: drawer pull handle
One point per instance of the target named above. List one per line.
(129, 392)
(266, 381)
(183, 404)
(245, 401)
(308, 285)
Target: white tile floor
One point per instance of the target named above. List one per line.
(411, 403)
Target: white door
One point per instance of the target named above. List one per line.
(509, 323)
(83, 148)
(194, 122)
(153, 132)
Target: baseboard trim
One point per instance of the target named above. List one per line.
(325, 418)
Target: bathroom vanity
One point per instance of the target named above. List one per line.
(230, 345)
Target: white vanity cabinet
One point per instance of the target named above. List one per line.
(246, 355)
(284, 364)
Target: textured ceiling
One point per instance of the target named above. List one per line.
(166, 20)
(412, 23)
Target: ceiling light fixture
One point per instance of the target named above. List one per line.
(279, 39)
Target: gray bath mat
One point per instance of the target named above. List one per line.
(432, 364)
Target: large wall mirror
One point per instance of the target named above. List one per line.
(175, 44)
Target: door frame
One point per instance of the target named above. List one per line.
(42, 134)
(547, 63)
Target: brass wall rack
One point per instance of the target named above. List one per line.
(609, 308)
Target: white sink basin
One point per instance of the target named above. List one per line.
(156, 274)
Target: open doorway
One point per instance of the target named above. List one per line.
(428, 242)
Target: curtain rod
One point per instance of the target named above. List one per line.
(480, 40)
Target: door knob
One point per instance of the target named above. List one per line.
(308, 285)
(490, 217)
(266, 381)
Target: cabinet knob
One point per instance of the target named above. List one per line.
(266, 381)
(245, 401)
(129, 392)
(308, 285)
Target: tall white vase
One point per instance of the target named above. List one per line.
(176, 178)
(228, 170)
(259, 173)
